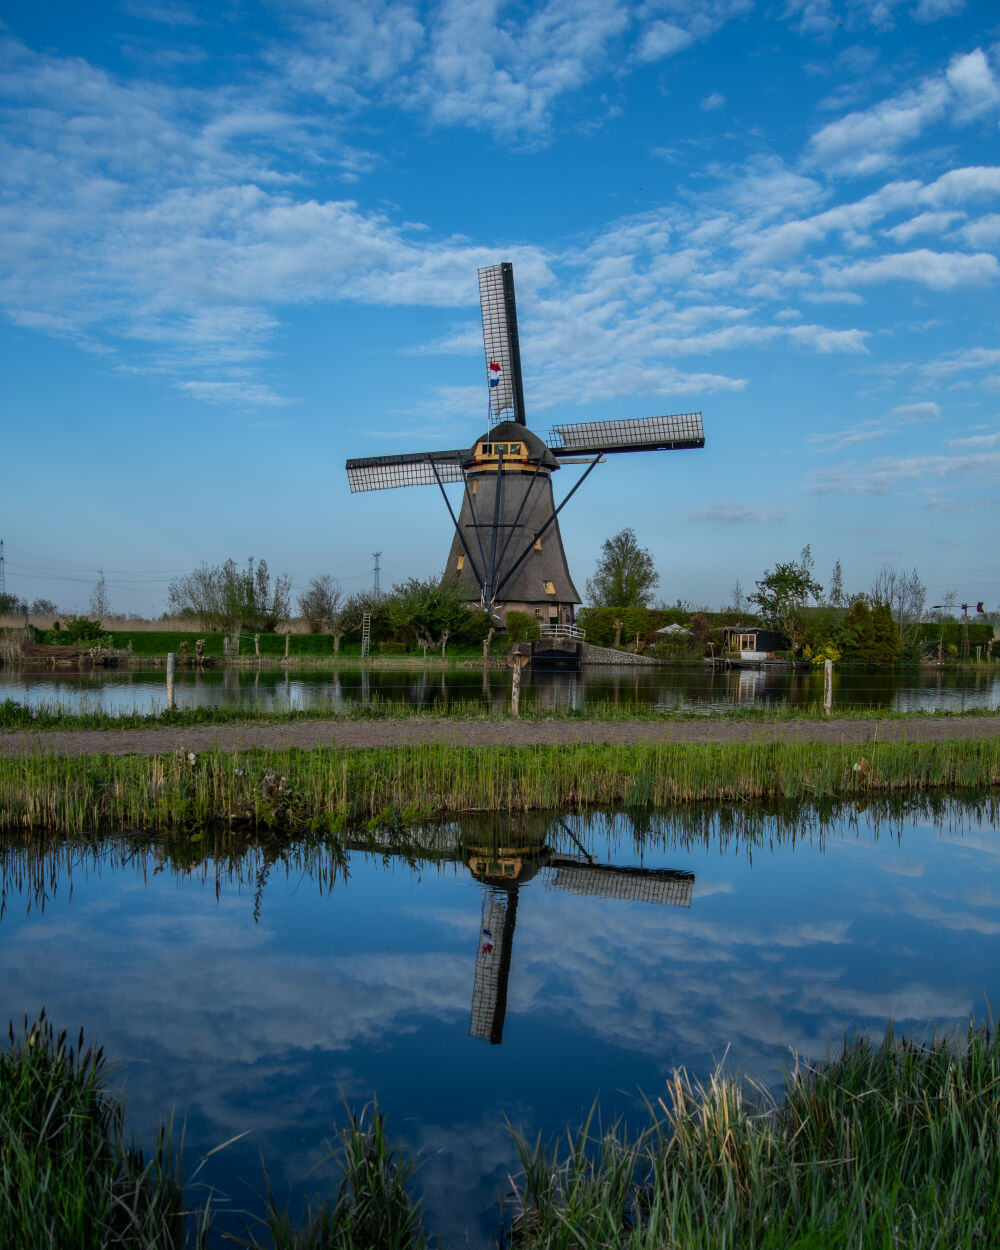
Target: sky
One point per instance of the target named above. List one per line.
(239, 243)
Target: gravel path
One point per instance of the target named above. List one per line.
(417, 730)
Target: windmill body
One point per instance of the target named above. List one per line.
(506, 508)
(507, 549)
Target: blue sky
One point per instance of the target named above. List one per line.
(240, 242)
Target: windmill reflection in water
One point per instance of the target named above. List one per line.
(503, 868)
(504, 852)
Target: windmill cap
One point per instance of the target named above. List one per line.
(514, 432)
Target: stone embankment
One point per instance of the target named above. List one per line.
(608, 655)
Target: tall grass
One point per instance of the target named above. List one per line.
(67, 1176)
(884, 1145)
(373, 1209)
(328, 789)
(888, 1144)
(55, 715)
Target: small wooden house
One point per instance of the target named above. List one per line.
(752, 644)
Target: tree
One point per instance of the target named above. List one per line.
(320, 604)
(224, 597)
(868, 634)
(625, 576)
(905, 596)
(740, 602)
(12, 605)
(521, 627)
(100, 603)
(43, 607)
(424, 609)
(782, 594)
(835, 597)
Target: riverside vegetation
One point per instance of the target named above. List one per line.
(15, 715)
(890, 1144)
(331, 789)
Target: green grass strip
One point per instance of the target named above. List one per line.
(17, 716)
(329, 789)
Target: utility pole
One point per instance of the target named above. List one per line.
(3, 581)
(378, 556)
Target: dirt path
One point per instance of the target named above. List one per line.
(417, 730)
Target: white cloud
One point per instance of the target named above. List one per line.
(169, 14)
(815, 17)
(977, 442)
(926, 411)
(879, 477)
(735, 514)
(233, 394)
(960, 362)
(974, 84)
(982, 233)
(941, 271)
(923, 223)
(712, 102)
(864, 142)
(935, 10)
(857, 437)
(663, 39)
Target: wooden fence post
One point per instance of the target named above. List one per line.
(828, 686)
(171, 661)
(515, 660)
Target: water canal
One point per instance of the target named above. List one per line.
(491, 968)
(692, 689)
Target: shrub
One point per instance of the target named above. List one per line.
(522, 628)
(77, 629)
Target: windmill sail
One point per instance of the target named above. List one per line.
(422, 468)
(503, 351)
(642, 885)
(667, 433)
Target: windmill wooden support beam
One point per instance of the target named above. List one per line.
(507, 550)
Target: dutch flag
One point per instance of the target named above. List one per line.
(493, 372)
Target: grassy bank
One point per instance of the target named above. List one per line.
(329, 789)
(67, 1175)
(884, 1144)
(14, 715)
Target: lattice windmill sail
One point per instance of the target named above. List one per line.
(507, 550)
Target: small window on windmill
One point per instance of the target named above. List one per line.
(538, 613)
(515, 449)
(550, 588)
(487, 449)
(461, 562)
(499, 449)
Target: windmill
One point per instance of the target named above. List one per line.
(507, 550)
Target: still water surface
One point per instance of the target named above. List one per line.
(473, 971)
(690, 689)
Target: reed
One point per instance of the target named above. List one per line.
(329, 789)
(67, 1177)
(325, 790)
(43, 716)
(888, 1144)
(373, 1209)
